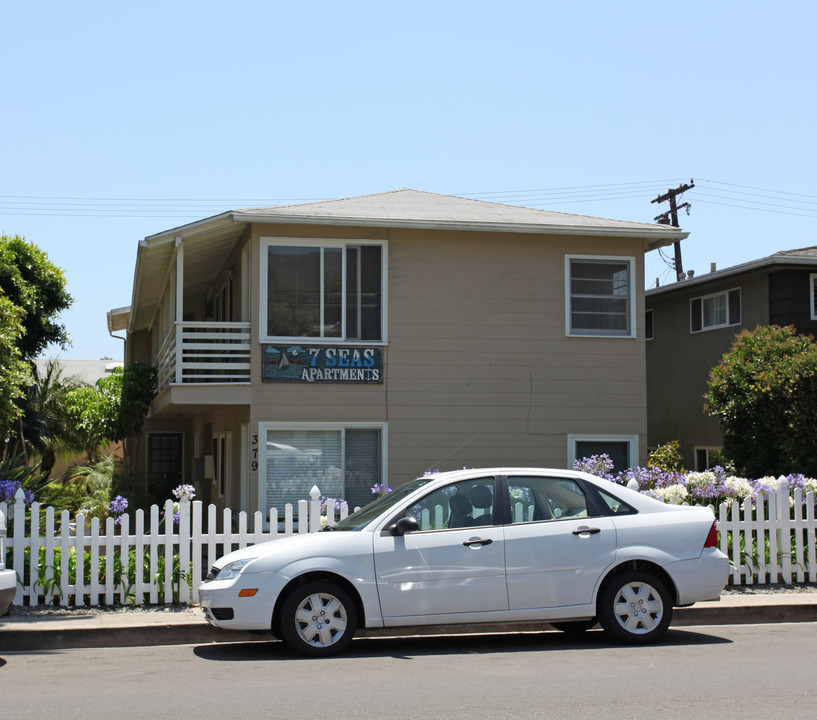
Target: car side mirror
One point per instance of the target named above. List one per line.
(405, 525)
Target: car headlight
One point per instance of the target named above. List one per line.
(232, 569)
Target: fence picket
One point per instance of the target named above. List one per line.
(153, 562)
(79, 561)
(811, 530)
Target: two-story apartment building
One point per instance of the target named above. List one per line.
(692, 323)
(365, 340)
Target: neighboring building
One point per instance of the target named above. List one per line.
(367, 339)
(85, 371)
(692, 323)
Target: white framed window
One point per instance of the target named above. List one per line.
(716, 310)
(323, 290)
(622, 449)
(344, 460)
(813, 295)
(599, 296)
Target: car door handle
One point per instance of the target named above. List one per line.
(478, 541)
(584, 530)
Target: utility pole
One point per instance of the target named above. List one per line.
(671, 218)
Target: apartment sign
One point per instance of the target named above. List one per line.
(321, 364)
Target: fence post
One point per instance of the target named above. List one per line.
(184, 550)
(314, 509)
(19, 541)
(783, 518)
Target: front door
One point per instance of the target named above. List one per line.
(455, 563)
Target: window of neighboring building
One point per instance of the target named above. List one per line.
(342, 461)
(323, 290)
(707, 457)
(813, 291)
(717, 310)
(648, 324)
(622, 449)
(599, 296)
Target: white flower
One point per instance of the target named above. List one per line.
(810, 485)
(672, 494)
(768, 482)
(700, 479)
(738, 487)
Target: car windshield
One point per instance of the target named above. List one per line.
(361, 518)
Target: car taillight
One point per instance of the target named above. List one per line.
(712, 538)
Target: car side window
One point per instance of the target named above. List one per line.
(534, 499)
(459, 505)
(614, 506)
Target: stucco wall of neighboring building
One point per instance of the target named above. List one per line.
(679, 361)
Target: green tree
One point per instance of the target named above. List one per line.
(47, 429)
(764, 395)
(15, 373)
(35, 285)
(115, 409)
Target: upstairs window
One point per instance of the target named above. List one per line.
(717, 310)
(599, 296)
(813, 291)
(323, 290)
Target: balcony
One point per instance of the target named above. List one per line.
(204, 353)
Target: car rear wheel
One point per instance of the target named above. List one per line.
(318, 619)
(635, 607)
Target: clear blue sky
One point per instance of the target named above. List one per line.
(122, 120)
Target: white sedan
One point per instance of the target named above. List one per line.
(495, 545)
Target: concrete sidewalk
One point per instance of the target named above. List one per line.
(138, 627)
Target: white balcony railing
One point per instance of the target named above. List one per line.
(205, 352)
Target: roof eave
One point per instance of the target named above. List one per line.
(734, 270)
(659, 235)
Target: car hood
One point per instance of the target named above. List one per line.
(273, 555)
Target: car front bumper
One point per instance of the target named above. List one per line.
(228, 604)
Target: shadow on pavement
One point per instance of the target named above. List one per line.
(406, 647)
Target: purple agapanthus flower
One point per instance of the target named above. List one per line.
(339, 503)
(381, 489)
(9, 488)
(118, 505)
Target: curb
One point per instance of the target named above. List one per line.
(27, 637)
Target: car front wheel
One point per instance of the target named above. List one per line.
(318, 619)
(635, 607)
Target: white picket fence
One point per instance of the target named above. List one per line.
(768, 539)
(772, 538)
(198, 539)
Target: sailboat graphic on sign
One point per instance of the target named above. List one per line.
(283, 363)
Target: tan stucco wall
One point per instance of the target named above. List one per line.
(478, 370)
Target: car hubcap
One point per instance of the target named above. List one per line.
(320, 619)
(638, 608)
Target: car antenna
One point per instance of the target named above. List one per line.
(459, 447)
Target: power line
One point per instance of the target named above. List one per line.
(744, 197)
